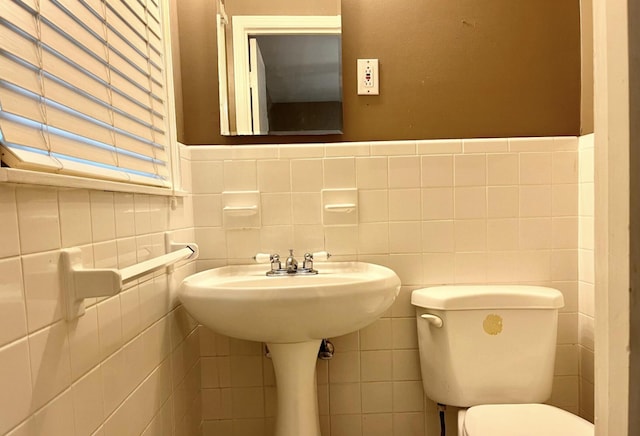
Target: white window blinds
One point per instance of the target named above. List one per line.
(82, 88)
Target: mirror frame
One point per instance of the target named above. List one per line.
(221, 22)
(248, 25)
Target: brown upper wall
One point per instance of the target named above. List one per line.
(448, 69)
(586, 92)
(282, 7)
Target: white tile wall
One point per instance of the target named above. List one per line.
(586, 281)
(9, 223)
(103, 224)
(121, 368)
(454, 211)
(75, 217)
(16, 397)
(12, 310)
(472, 211)
(38, 219)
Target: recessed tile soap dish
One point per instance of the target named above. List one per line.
(340, 206)
(241, 209)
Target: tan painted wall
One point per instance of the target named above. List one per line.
(448, 70)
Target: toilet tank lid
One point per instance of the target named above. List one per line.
(456, 297)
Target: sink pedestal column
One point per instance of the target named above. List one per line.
(295, 368)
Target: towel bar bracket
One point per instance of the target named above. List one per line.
(79, 283)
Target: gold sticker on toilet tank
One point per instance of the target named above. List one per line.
(492, 324)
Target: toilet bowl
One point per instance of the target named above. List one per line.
(521, 420)
(490, 350)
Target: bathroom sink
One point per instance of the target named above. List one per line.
(292, 314)
(242, 302)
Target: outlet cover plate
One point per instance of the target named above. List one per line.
(368, 77)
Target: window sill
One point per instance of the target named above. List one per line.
(12, 175)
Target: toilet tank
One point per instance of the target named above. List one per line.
(496, 344)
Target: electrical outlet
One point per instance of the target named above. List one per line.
(368, 78)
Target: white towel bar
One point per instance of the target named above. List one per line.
(138, 270)
(79, 283)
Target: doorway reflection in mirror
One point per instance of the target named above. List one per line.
(280, 74)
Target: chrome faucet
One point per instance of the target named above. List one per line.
(291, 264)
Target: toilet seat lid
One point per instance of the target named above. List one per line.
(523, 420)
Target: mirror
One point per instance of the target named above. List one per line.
(279, 67)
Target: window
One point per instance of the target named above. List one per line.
(82, 89)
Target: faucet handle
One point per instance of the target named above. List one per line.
(308, 261)
(262, 258)
(275, 262)
(321, 255)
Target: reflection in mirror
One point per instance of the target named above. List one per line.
(279, 74)
(303, 83)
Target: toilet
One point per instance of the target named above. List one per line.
(490, 350)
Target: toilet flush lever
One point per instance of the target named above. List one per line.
(434, 320)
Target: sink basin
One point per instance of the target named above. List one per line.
(242, 302)
(291, 314)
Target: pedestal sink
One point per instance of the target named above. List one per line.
(291, 314)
